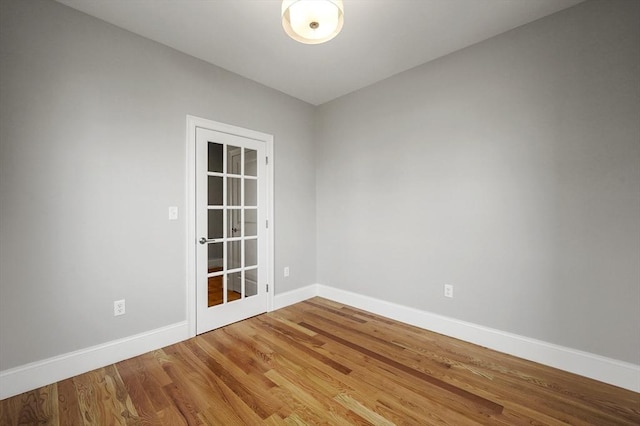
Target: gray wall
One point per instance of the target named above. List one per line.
(510, 169)
(92, 152)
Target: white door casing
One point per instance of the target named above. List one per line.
(236, 242)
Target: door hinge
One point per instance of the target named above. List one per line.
(267, 223)
(267, 288)
(266, 159)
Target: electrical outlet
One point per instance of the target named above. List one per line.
(118, 308)
(448, 291)
(173, 213)
(286, 271)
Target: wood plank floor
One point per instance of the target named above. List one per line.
(319, 362)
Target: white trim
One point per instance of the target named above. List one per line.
(192, 124)
(190, 219)
(618, 373)
(271, 243)
(607, 370)
(294, 296)
(31, 376)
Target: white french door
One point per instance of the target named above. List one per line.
(231, 228)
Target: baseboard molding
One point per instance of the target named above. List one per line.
(31, 376)
(607, 370)
(295, 296)
(618, 373)
(34, 375)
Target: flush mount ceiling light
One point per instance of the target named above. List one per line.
(312, 21)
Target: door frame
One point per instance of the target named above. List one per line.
(192, 124)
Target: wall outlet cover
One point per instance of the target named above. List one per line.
(448, 290)
(173, 213)
(118, 308)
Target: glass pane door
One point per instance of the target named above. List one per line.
(231, 204)
(231, 199)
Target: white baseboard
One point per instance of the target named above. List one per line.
(36, 374)
(617, 373)
(31, 376)
(295, 296)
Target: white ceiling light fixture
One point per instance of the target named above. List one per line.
(312, 21)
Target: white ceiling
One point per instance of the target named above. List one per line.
(380, 38)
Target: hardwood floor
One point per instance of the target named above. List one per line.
(319, 362)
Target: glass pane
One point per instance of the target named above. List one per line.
(233, 191)
(250, 222)
(214, 284)
(250, 162)
(233, 254)
(215, 223)
(251, 252)
(214, 294)
(250, 192)
(233, 160)
(214, 257)
(233, 223)
(251, 283)
(215, 191)
(215, 157)
(234, 286)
